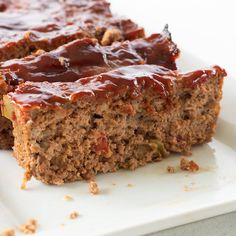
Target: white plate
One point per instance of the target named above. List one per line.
(156, 201)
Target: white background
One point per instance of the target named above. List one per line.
(206, 28)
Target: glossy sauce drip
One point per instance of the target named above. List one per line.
(85, 57)
(161, 47)
(192, 79)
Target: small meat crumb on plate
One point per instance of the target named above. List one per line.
(130, 185)
(29, 227)
(171, 169)
(74, 215)
(26, 178)
(188, 165)
(68, 198)
(8, 232)
(93, 187)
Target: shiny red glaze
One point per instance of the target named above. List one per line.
(53, 21)
(85, 57)
(195, 78)
(128, 81)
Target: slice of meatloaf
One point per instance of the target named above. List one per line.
(124, 118)
(28, 25)
(82, 58)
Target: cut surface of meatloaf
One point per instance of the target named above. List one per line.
(82, 58)
(124, 118)
(27, 25)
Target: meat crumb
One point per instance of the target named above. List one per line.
(187, 165)
(74, 215)
(187, 188)
(171, 169)
(8, 232)
(30, 227)
(26, 178)
(110, 36)
(93, 187)
(130, 185)
(38, 52)
(68, 198)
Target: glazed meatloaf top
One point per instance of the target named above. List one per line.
(26, 25)
(85, 57)
(129, 81)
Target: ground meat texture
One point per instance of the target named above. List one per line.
(6, 136)
(77, 130)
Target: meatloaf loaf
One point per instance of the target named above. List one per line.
(124, 118)
(81, 58)
(27, 25)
